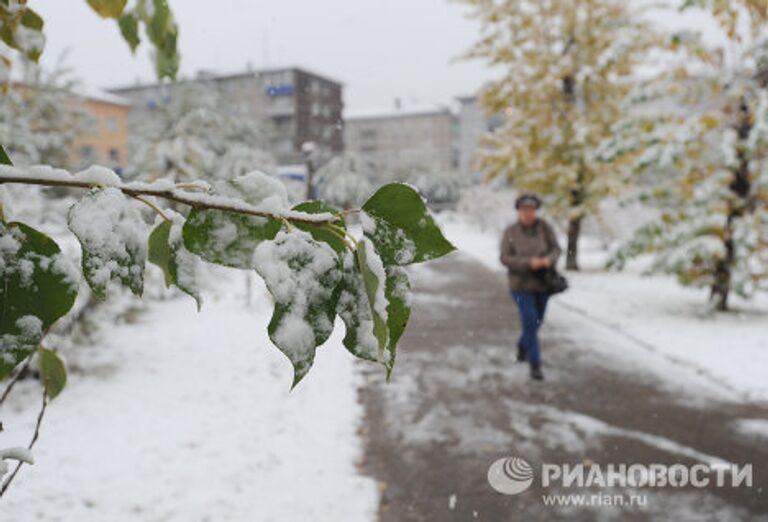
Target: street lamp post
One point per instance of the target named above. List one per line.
(308, 149)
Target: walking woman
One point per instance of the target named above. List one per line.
(528, 249)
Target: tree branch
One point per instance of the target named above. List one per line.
(32, 442)
(203, 201)
(16, 377)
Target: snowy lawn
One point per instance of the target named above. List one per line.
(188, 416)
(660, 322)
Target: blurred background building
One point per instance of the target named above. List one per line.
(300, 105)
(106, 140)
(404, 139)
(474, 123)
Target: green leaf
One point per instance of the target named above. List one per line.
(160, 251)
(163, 33)
(398, 294)
(129, 28)
(37, 288)
(31, 20)
(6, 35)
(226, 238)
(398, 223)
(323, 233)
(4, 159)
(374, 282)
(108, 8)
(113, 237)
(229, 238)
(53, 373)
(167, 251)
(302, 275)
(354, 308)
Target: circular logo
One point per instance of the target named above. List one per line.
(510, 475)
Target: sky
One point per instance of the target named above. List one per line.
(379, 49)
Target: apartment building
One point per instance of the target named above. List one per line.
(298, 105)
(402, 140)
(106, 143)
(474, 123)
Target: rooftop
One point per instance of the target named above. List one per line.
(407, 111)
(208, 75)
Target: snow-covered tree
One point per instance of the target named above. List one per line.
(194, 135)
(704, 143)
(344, 181)
(439, 188)
(566, 68)
(737, 17)
(41, 117)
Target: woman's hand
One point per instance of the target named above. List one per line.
(537, 263)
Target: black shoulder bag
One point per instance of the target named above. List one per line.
(554, 281)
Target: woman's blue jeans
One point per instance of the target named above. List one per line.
(532, 306)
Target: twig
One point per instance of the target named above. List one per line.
(342, 235)
(152, 206)
(16, 377)
(192, 186)
(32, 442)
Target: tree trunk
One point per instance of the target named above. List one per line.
(721, 288)
(577, 191)
(574, 230)
(740, 186)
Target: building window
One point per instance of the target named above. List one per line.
(112, 124)
(114, 155)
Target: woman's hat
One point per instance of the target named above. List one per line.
(528, 200)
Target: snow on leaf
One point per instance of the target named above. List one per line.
(20, 454)
(374, 281)
(113, 236)
(322, 232)
(302, 275)
(398, 295)
(228, 238)
(38, 287)
(398, 223)
(167, 251)
(98, 175)
(258, 189)
(354, 308)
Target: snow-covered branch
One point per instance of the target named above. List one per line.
(185, 194)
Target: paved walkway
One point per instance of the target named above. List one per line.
(458, 401)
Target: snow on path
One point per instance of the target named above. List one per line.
(665, 325)
(196, 423)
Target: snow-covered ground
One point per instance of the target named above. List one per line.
(654, 322)
(186, 416)
(183, 416)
